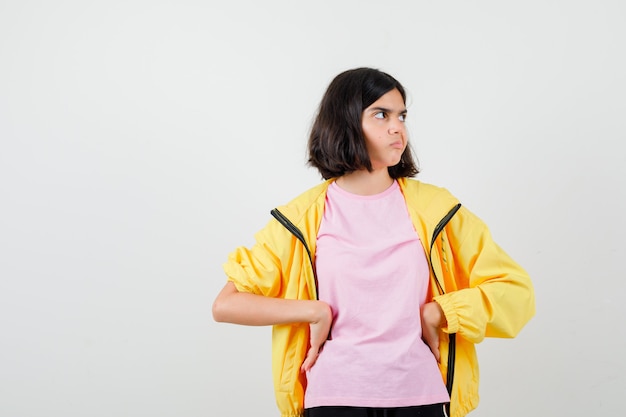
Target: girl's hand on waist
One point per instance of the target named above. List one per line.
(432, 321)
(322, 318)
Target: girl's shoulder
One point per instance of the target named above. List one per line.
(311, 200)
(423, 195)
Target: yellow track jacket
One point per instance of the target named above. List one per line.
(483, 293)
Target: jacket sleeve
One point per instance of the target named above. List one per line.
(491, 295)
(257, 269)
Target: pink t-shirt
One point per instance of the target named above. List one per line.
(372, 271)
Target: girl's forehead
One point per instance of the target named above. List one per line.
(392, 100)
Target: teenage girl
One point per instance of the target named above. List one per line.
(377, 285)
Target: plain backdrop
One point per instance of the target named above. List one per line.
(142, 141)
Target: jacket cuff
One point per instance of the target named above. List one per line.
(452, 318)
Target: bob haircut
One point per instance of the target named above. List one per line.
(336, 143)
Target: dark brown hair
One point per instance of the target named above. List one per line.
(336, 143)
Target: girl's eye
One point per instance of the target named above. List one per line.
(403, 118)
(379, 115)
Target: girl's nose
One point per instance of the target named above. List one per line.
(395, 126)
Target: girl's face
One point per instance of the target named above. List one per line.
(384, 130)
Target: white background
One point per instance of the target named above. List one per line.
(142, 141)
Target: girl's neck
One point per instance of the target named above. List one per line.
(364, 182)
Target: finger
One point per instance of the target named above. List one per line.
(434, 351)
(309, 360)
(435, 348)
(308, 364)
(432, 340)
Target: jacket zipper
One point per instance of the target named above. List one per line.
(452, 336)
(438, 229)
(282, 219)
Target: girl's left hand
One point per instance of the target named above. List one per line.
(432, 321)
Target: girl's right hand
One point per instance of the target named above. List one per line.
(319, 329)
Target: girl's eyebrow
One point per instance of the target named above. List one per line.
(386, 110)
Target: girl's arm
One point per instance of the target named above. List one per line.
(495, 296)
(232, 306)
(236, 307)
